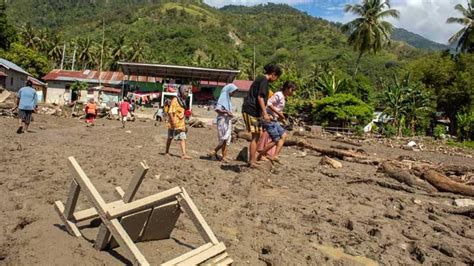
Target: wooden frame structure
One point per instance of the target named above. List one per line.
(142, 217)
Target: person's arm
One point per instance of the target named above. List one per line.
(262, 93)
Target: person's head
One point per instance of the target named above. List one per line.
(231, 89)
(288, 88)
(91, 100)
(183, 91)
(272, 72)
(29, 83)
(125, 99)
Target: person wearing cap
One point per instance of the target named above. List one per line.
(124, 107)
(26, 104)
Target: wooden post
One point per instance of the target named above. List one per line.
(67, 213)
(191, 209)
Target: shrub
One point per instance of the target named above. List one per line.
(344, 108)
(465, 126)
(439, 131)
(389, 131)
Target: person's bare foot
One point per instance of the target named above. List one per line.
(275, 160)
(225, 160)
(167, 154)
(186, 157)
(253, 165)
(213, 155)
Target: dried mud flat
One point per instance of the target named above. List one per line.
(298, 213)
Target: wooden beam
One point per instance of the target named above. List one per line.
(204, 255)
(113, 225)
(91, 213)
(214, 260)
(70, 226)
(72, 200)
(190, 208)
(119, 191)
(188, 254)
(141, 204)
(135, 182)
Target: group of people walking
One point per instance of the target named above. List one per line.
(262, 112)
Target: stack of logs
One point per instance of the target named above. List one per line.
(412, 174)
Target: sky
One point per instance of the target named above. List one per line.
(424, 17)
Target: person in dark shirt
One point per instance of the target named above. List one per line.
(254, 109)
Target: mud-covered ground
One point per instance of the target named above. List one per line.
(298, 213)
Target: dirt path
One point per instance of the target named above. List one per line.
(299, 213)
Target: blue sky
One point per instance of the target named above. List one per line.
(425, 17)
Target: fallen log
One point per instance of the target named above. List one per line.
(368, 160)
(383, 184)
(350, 142)
(405, 177)
(300, 142)
(466, 211)
(457, 169)
(330, 162)
(443, 183)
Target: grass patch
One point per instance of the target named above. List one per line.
(465, 144)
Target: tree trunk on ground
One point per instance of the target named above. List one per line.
(405, 177)
(443, 183)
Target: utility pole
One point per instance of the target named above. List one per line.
(101, 52)
(64, 54)
(74, 57)
(254, 61)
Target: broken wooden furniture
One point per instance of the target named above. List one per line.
(127, 221)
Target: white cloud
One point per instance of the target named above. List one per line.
(428, 17)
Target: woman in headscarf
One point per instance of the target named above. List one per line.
(224, 121)
(176, 124)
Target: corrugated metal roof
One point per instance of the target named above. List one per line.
(9, 65)
(174, 71)
(36, 81)
(243, 85)
(91, 76)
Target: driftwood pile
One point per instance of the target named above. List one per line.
(412, 174)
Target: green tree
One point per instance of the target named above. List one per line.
(393, 99)
(85, 56)
(464, 37)
(7, 31)
(30, 60)
(329, 85)
(119, 51)
(369, 32)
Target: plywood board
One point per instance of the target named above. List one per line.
(133, 225)
(161, 222)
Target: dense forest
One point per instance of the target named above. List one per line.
(408, 83)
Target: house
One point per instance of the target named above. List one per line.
(12, 77)
(108, 83)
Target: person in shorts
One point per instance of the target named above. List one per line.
(91, 112)
(124, 111)
(27, 101)
(176, 124)
(276, 132)
(254, 108)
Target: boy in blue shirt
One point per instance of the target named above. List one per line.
(26, 104)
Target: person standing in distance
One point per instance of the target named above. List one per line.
(27, 101)
(254, 108)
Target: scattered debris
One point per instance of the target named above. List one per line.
(330, 162)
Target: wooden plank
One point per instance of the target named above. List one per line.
(113, 225)
(92, 212)
(203, 256)
(225, 262)
(70, 226)
(145, 203)
(119, 191)
(188, 254)
(193, 212)
(135, 182)
(133, 225)
(214, 260)
(161, 222)
(72, 200)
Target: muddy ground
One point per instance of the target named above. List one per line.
(298, 213)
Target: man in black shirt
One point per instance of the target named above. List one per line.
(254, 109)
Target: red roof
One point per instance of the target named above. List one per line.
(2, 74)
(243, 85)
(111, 90)
(212, 83)
(93, 76)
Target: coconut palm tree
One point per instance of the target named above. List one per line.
(138, 51)
(119, 51)
(85, 52)
(464, 37)
(369, 32)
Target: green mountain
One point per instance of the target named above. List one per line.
(189, 32)
(417, 40)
